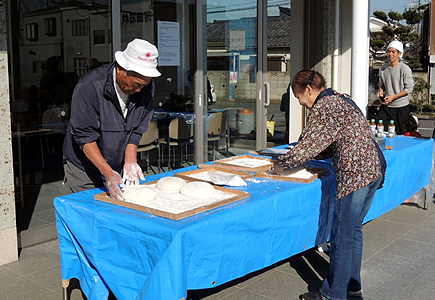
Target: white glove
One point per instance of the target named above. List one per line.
(132, 173)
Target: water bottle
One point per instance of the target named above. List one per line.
(380, 129)
(391, 129)
(373, 126)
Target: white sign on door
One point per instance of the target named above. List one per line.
(168, 34)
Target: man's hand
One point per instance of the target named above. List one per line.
(389, 99)
(112, 183)
(132, 173)
(278, 168)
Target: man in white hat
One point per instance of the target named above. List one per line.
(111, 108)
(395, 85)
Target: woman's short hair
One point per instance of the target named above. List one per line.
(306, 78)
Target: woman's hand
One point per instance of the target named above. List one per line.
(278, 168)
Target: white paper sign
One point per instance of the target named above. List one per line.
(168, 34)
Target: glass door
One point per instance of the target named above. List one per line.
(170, 26)
(50, 45)
(236, 74)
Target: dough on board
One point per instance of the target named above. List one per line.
(170, 183)
(197, 189)
(299, 172)
(138, 193)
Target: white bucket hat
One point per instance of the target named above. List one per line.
(396, 45)
(140, 56)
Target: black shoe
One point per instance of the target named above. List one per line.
(312, 296)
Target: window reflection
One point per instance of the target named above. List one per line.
(52, 44)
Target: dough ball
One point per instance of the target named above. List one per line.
(197, 189)
(138, 194)
(170, 183)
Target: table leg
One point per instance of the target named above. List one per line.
(65, 284)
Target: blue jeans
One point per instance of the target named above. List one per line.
(347, 243)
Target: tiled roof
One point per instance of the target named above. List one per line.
(278, 31)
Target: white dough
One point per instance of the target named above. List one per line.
(249, 162)
(170, 201)
(299, 172)
(138, 193)
(170, 183)
(219, 178)
(197, 189)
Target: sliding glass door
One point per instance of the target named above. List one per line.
(235, 68)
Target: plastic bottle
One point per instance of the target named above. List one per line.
(373, 126)
(391, 129)
(380, 129)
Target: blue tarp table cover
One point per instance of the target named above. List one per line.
(141, 256)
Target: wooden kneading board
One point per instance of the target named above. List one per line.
(317, 172)
(186, 175)
(229, 164)
(238, 195)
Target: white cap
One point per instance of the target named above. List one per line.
(396, 45)
(140, 56)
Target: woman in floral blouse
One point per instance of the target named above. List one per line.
(336, 128)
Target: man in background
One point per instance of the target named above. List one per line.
(395, 85)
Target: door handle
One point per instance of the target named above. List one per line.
(267, 96)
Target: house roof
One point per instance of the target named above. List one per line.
(57, 6)
(278, 31)
(377, 24)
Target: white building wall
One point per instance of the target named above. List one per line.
(8, 229)
(346, 48)
(302, 52)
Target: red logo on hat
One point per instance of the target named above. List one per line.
(147, 57)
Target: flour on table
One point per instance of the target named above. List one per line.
(172, 201)
(249, 162)
(256, 180)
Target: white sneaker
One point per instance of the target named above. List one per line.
(323, 248)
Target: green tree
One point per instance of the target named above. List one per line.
(420, 96)
(395, 16)
(412, 16)
(381, 15)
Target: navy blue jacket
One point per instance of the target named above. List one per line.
(96, 116)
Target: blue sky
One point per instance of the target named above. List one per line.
(395, 5)
(244, 5)
(243, 8)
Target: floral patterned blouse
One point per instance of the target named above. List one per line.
(336, 128)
